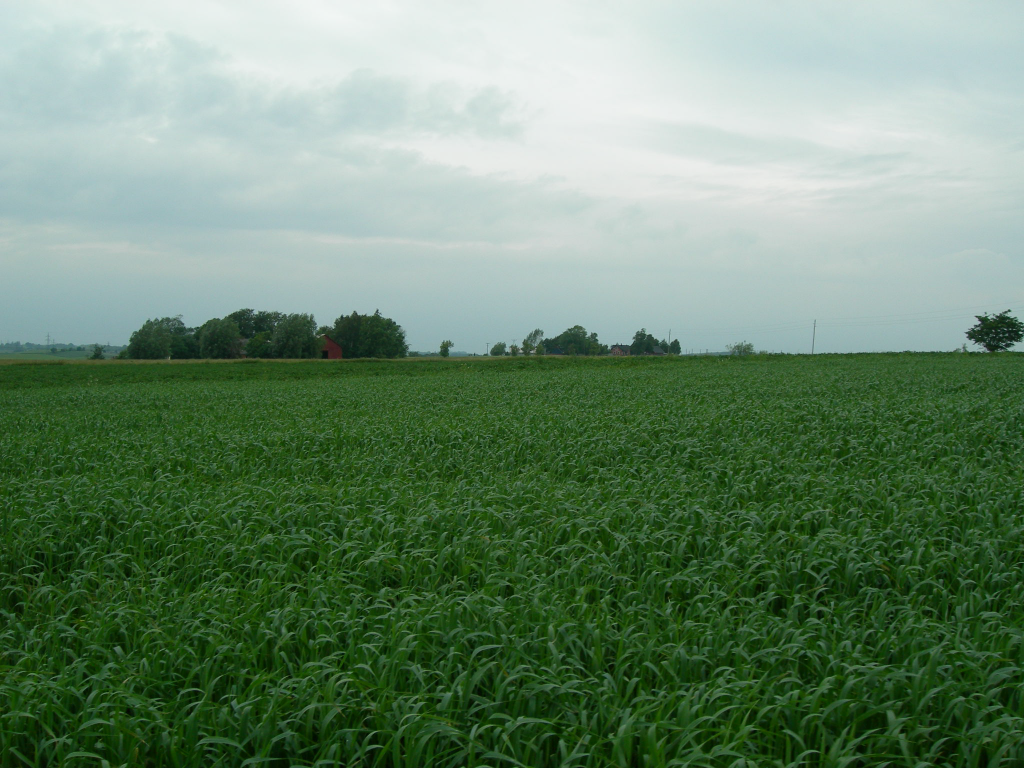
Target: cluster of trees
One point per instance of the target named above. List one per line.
(571, 341)
(368, 336)
(644, 344)
(740, 348)
(265, 335)
(278, 335)
(576, 341)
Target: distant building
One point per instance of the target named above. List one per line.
(620, 350)
(331, 349)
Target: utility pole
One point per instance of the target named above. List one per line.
(814, 333)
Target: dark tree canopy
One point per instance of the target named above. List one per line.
(533, 340)
(295, 336)
(499, 349)
(996, 333)
(576, 341)
(740, 348)
(219, 339)
(259, 345)
(250, 322)
(643, 343)
(446, 346)
(369, 336)
(161, 338)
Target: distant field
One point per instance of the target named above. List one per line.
(40, 355)
(781, 561)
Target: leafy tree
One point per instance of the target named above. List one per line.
(267, 321)
(97, 352)
(740, 348)
(576, 341)
(295, 336)
(219, 339)
(532, 341)
(150, 342)
(259, 345)
(513, 349)
(643, 343)
(445, 346)
(162, 338)
(499, 349)
(244, 318)
(996, 333)
(370, 336)
(185, 344)
(250, 322)
(674, 347)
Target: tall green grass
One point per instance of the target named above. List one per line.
(708, 563)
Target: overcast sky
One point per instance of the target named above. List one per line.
(717, 171)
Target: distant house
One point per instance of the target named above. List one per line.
(620, 350)
(331, 350)
(657, 351)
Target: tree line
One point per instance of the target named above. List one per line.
(576, 341)
(264, 334)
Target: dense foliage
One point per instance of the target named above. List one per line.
(369, 336)
(245, 332)
(295, 337)
(220, 339)
(717, 562)
(996, 333)
(250, 322)
(163, 338)
(574, 341)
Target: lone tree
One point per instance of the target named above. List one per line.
(446, 346)
(996, 333)
(97, 352)
(532, 341)
(740, 348)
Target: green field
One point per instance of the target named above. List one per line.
(781, 561)
(69, 354)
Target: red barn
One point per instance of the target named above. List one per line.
(331, 349)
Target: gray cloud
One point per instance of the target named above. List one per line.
(718, 145)
(161, 83)
(199, 181)
(133, 129)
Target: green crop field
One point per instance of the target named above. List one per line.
(664, 562)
